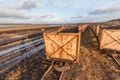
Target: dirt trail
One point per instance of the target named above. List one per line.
(31, 68)
(93, 65)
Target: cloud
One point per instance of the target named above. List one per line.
(46, 16)
(9, 13)
(28, 4)
(106, 10)
(72, 4)
(1, 1)
(82, 16)
(63, 3)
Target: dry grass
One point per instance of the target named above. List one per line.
(22, 28)
(14, 75)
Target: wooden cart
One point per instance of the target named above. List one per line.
(64, 44)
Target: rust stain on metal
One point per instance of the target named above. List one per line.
(110, 39)
(63, 46)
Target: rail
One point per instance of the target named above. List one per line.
(116, 58)
(56, 71)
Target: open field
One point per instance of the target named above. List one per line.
(22, 28)
(23, 54)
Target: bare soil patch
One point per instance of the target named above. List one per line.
(94, 65)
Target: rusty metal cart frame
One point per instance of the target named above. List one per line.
(62, 46)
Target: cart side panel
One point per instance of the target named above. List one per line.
(61, 46)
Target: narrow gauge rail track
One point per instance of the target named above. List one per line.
(114, 54)
(56, 70)
(9, 63)
(116, 58)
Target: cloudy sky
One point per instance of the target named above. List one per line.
(58, 11)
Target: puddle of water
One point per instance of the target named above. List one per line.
(15, 60)
(18, 47)
(18, 36)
